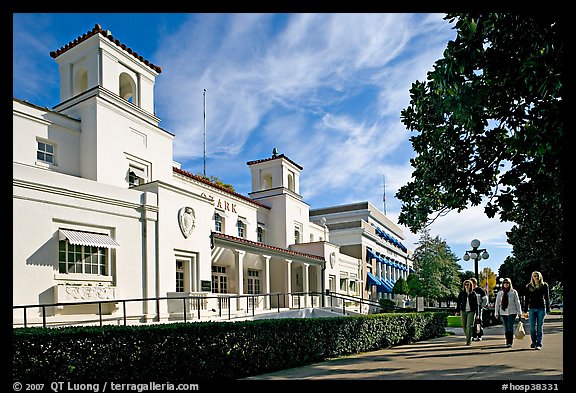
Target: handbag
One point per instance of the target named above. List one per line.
(519, 332)
(478, 330)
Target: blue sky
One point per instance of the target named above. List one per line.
(324, 89)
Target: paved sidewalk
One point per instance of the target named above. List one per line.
(447, 358)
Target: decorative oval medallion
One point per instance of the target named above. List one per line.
(187, 220)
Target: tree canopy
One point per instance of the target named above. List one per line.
(216, 180)
(489, 130)
(435, 270)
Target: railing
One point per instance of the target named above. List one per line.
(195, 306)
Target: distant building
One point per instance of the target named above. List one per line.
(364, 232)
(101, 211)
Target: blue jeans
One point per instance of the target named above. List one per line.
(536, 318)
(508, 322)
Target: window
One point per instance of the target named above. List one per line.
(241, 228)
(74, 258)
(260, 234)
(296, 236)
(80, 81)
(127, 88)
(291, 182)
(219, 279)
(136, 176)
(179, 276)
(343, 283)
(253, 282)
(45, 152)
(267, 182)
(332, 283)
(218, 222)
(353, 287)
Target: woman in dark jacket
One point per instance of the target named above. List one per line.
(537, 302)
(468, 308)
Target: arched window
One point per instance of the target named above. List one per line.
(127, 88)
(80, 81)
(291, 182)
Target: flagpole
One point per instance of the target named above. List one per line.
(204, 132)
(384, 192)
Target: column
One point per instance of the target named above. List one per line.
(319, 279)
(289, 281)
(239, 263)
(266, 271)
(151, 261)
(306, 284)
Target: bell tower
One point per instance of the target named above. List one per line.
(276, 183)
(276, 175)
(109, 88)
(97, 59)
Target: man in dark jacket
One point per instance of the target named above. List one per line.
(477, 332)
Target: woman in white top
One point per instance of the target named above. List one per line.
(507, 307)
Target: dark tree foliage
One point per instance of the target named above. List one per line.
(435, 270)
(489, 130)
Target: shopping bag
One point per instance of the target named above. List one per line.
(478, 330)
(519, 332)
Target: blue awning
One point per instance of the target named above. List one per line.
(388, 284)
(370, 254)
(386, 287)
(373, 280)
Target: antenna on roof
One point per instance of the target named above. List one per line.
(204, 132)
(384, 192)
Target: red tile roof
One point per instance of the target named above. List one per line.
(97, 29)
(224, 189)
(266, 246)
(274, 158)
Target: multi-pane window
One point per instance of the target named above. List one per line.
(253, 282)
(241, 228)
(344, 283)
(260, 234)
(45, 152)
(353, 286)
(74, 258)
(218, 221)
(179, 276)
(219, 279)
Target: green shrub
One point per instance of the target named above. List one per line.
(207, 350)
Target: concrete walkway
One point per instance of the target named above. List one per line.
(447, 358)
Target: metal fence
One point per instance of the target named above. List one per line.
(187, 308)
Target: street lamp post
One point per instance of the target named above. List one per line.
(476, 253)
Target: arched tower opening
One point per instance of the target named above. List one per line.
(127, 88)
(267, 181)
(80, 81)
(291, 182)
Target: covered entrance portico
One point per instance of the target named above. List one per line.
(251, 268)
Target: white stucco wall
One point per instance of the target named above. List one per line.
(44, 202)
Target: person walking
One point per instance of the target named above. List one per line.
(467, 308)
(483, 300)
(507, 307)
(537, 304)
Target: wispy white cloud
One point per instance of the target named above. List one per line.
(325, 89)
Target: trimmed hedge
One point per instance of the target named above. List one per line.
(207, 350)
